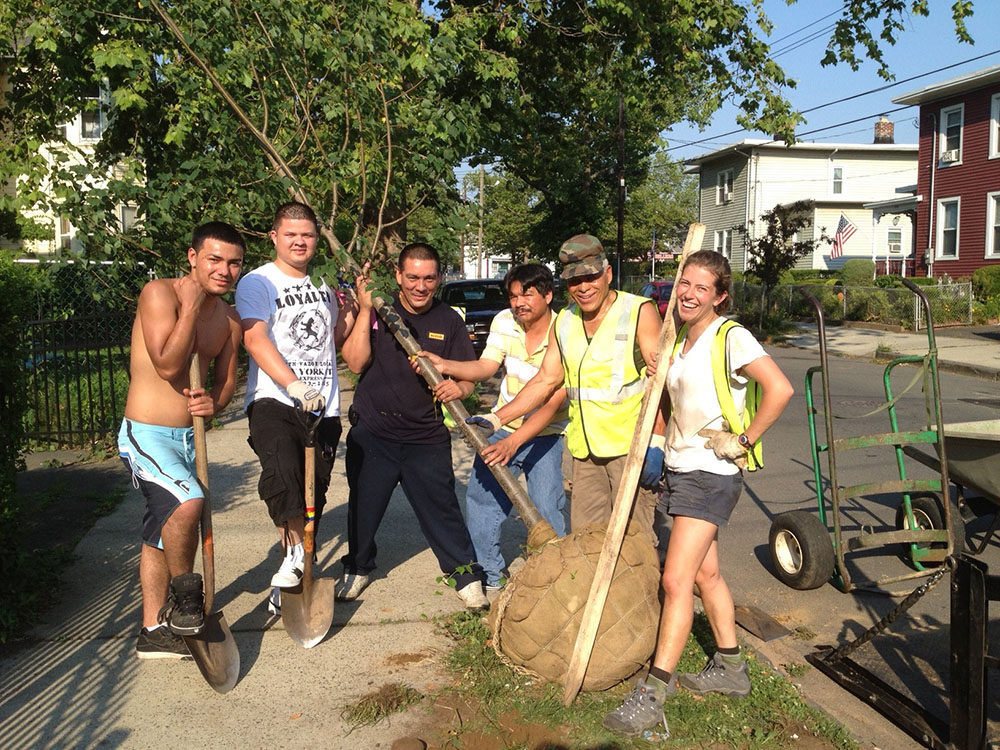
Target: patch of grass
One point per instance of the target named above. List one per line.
(803, 633)
(377, 705)
(794, 670)
(768, 718)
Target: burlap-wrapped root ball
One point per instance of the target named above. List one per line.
(536, 618)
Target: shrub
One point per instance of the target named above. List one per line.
(888, 281)
(986, 282)
(858, 272)
(17, 293)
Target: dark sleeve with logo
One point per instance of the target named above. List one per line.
(391, 399)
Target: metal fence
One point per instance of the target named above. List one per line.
(76, 353)
(950, 303)
(77, 372)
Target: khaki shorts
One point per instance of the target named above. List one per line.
(595, 486)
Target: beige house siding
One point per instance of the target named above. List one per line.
(836, 178)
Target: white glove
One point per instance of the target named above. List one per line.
(305, 396)
(725, 445)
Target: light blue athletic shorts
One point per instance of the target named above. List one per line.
(162, 463)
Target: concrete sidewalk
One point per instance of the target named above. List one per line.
(970, 351)
(79, 685)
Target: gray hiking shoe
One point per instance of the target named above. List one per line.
(718, 677)
(350, 586)
(642, 709)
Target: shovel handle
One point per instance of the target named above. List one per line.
(311, 423)
(201, 465)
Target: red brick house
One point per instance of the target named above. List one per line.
(958, 173)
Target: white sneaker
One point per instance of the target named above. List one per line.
(350, 586)
(274, 602)
(473, 596)
(289, 575)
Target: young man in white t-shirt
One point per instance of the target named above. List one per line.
(292, 330)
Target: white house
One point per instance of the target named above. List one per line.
(741, 181)
(79, 138)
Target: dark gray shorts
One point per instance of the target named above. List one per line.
(701, 494)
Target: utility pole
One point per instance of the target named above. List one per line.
(464, 238)
(621, 186)
(479, 251)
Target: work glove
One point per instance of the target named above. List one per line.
(488, 423)
(652, 466)
(305, 396)
(726, 445)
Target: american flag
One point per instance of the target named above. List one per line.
(845, 230)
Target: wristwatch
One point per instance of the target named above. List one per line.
(743, 440)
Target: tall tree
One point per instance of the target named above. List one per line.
(373, 103)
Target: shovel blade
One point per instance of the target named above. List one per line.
(308, 615)
(760, 623)
(215, 652)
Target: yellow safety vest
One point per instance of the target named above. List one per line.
(723, 390)
(603, 387)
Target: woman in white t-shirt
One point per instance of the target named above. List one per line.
(702, 483)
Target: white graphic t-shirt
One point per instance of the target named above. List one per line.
(300, 320)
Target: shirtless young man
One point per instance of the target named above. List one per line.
(175, 318)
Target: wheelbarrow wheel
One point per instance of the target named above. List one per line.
(801, 552)
(928, 513)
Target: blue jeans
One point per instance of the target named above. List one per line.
(487, 505)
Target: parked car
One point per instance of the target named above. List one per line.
(476, 300)
(659, 291)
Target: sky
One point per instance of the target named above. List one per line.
(798, 42)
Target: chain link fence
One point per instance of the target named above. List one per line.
(950, 303)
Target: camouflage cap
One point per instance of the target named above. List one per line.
(582, 255)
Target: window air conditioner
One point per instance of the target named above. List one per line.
(949, 157)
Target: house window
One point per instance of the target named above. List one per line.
(838, 180)
(995, 126)
(92, 118)
(126, 215)
(993, 225)
(724, 242)
(951, 134)
(64, 237)
(894, 240)
(947, 231)
(724, 187)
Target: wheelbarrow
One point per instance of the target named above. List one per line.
(807, 549)
(974, 468)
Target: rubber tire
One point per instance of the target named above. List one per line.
(802, 555)
(928, 513)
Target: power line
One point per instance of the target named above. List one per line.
(709, 139)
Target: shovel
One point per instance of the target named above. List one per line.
(308, 613)
(213, 649)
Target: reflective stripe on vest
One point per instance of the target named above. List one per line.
(603, 386)
(724, 392)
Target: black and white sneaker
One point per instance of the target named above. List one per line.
(160, 643)
(274, 602)
(289, 575)
(184, 611)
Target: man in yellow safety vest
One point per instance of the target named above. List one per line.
(598, 350)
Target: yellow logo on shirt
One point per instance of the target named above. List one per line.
(436, 336)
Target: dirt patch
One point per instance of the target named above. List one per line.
(452, 718)
(405, 660)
